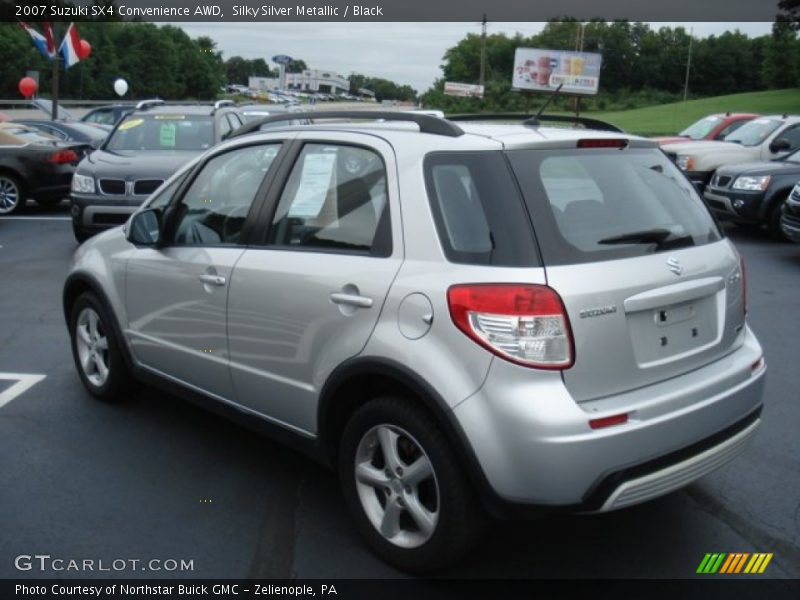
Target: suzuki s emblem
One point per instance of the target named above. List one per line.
(674, 265)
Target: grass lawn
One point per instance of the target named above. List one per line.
(672, 118)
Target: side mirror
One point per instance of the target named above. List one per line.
(96, 143)
(145, 228)
(780, 145)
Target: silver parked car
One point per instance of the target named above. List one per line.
(462, 319)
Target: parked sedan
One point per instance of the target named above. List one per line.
(710, 128)
(33, 165)
(112, 114)
(753, 193)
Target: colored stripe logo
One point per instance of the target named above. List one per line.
(731, 563)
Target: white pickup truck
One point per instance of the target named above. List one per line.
(762, 139)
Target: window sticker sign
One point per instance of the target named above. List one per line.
(166, 135)
(541, 70)
(315, 180)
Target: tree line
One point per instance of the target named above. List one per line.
(156, 61)
(640, 64)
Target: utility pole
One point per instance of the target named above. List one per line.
(56, 68)
(482, 76)
(688, 65)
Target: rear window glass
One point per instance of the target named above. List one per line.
(592, 205)
(478, 211)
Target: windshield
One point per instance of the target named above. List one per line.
(700, 129)
(754, 132)
(594, 205)
(163, 132)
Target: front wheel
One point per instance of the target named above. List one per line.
(774, 223)
(405, 487)
(97, 351)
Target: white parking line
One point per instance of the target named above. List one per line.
(35, 218)
(24, 383)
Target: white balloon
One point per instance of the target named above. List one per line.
(121, 87)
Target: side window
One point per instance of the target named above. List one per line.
(234, 120)
(163, 196)
(793, 135)
(215, 206)
(104, 117)
(730, 128)
(335, 198)
(224, 127)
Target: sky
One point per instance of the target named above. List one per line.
(407, 53)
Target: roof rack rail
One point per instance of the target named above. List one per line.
(427, 123)
(142, 104)
(534, 121)
(222, 103)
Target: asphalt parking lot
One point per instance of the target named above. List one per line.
(156, 478)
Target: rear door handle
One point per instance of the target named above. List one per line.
(351, 300)
(212, 279)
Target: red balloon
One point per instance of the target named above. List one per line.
(28, 86)
(84, 49)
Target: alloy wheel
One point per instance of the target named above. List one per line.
(397, 486)
(92, 346)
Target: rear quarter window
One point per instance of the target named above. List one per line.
(591, 205)
(479, 214)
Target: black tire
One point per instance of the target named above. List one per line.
(774, 222)
(80, 234)
(118, 383)
(48, 202)
(12, 194)
(460, 520)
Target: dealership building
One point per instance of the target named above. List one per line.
(309, 80)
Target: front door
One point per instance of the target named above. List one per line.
(177, 294)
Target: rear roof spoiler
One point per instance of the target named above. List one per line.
(534, 121)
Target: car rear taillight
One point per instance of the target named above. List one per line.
(62, 157)
(602, 143)
(526, 324)
(744, 284)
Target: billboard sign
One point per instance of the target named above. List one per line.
(541, 70)
(465, 90)
(282, 59)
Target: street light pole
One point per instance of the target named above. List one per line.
(482, 76)
(688, 65)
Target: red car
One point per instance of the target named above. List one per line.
(712, 127)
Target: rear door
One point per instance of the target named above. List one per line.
(651, 289)
(309, 296)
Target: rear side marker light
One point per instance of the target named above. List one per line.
(603, 143)
(525, 324)
(62, 157)
(757, 365)
(744, 285)
(608, 421)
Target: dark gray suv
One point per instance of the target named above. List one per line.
(143, 150)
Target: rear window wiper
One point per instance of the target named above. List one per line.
(659, 237)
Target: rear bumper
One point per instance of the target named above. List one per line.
(51, 184)
(535, 447)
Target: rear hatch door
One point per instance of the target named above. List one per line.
(651, 288)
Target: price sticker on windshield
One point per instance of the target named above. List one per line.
(166, 135)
